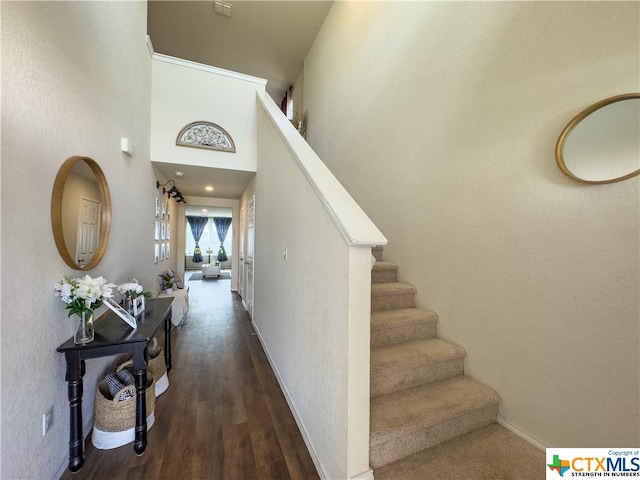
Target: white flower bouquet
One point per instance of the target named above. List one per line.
(83, 294)
(130, 289)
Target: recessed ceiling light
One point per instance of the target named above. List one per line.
(209, 188)
(179, 174)
(205, 210)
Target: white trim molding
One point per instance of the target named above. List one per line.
(522, 434)
(201, 66)
(354, 225)
(368, 475)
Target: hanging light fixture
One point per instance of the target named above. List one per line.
(173, 192)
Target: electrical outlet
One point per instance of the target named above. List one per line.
(47, 421)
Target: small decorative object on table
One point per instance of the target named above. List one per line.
(83, 296)
(131, 290)
(121, 312)
(138, 305)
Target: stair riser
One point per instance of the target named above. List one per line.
(384, 276)
(403, 333)
(400, 379)
(408, 443)
(391, 302)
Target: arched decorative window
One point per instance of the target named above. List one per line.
(207, 135)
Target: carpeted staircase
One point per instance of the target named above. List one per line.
(420, 396)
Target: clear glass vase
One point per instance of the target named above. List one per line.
(128, 303)
(83, 323)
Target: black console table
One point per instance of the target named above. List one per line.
(113, 336)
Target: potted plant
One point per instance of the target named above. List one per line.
(168, 280)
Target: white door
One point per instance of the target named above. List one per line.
(242, 270)
(251, 216)
(88, 230)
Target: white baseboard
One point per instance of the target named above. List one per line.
(522, 434)
(368, 475)
(65, 464)
(296, 417)
(62, 468)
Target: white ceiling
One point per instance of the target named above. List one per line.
(226, 183)
(265, 39)
(197, 211)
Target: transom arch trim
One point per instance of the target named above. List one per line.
(208, 135)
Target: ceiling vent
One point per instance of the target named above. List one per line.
(222, 8)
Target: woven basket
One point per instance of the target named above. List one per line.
(112, 415)
(156, 365)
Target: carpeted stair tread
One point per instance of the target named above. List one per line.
(391, 288)
(399, 325)
(409, 364)
(400, 413)
(477, 455)
(413, 354)
(385, 266)
(384, 272)
(389, 296)
(401, 317)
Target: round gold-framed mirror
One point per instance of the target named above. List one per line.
(81, 213)
(602, 143)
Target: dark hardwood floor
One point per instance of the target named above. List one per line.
(223, 415)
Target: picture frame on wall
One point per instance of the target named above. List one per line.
(162, 252)
(168, 213)
(157, 207)
(164, 210)
(168, 232)
(156, 253)
(157, 230)
(168, 250)
(163, 229)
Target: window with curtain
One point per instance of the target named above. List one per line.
(197, 225)
(209, 240)
(222, 227)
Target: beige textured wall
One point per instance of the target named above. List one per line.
(182, 95)
(312, 305)
(76, 76)
(441, 118)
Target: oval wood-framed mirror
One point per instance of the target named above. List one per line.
(602, 143)
(81, 213)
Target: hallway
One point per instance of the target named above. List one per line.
(223, 415)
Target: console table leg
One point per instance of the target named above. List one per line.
(75, 371)
(76, 442)
(140, 374)
(167, 341)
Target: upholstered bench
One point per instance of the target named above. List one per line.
(210, 270)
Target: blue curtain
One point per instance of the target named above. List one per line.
(197, 225)
(222, 227)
